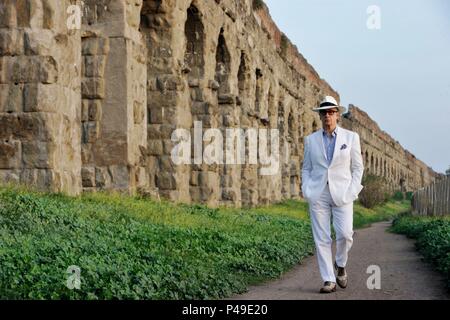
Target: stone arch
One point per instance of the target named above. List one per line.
(243, 77)
(301, 128)
(195, 37)
(372, 164)
(376, 172)
(291, 126)
(259, 90)
(223, 64)
(280, 115)
(272, 108)
(294, 169)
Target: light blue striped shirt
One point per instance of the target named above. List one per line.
(329, 144)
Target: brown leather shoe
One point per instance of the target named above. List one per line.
(342, 277)
(328, 287)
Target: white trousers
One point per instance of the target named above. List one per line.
(320, 213)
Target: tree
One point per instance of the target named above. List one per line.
(448, 171)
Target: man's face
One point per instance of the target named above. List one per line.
(329, 117)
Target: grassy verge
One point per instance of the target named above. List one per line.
(132, 248)
(433, 239)
(364, 217)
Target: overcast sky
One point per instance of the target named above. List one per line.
(399, 74)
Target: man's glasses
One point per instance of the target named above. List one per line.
(325, 112)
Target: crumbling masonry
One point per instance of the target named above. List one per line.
(94, 108)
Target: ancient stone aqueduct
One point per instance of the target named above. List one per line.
(94, 108)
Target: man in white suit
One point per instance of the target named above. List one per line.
(331, 180)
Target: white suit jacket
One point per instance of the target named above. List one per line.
(344, 174)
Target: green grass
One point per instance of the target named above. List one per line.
(433, 239)
(364, 217)
(134, 248)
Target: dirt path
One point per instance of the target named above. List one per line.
(403, 274)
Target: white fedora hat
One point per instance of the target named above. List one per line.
(329, 103)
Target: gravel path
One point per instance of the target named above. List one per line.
(403, 274)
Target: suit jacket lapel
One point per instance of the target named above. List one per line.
(321, 144)
(337, 147)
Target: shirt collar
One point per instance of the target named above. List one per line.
(334, 133)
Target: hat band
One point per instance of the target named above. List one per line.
(328, 104)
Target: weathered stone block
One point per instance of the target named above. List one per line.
(41, 97)
(154, 132)
(11, 42)
(133, 13)
(229, 195)
(166, 164)
(194, 83)
(168, 146)
(95, 46)
(156, 114)
(201, 194)
(90, 132)
(31, 127)
(86, 153)
(94, 66)
(11, 98)
(155, 147)
(197, 95)
(88, 177)
(10, 154)
(169, 83)
(193, 181)
(38, 154)
(8, 15)
(95, 110)
(36, 14)
(39, 42)
(142, 181)
(227, 99)
(102, 177)
(49, 8)
(85, 110)
(89, 45)
(44, 179)
(23, 13)
(165, 181)
(93, 88)
(207, 121)
(120, 177)
(48, 70)
(199, 108)
(228, 121)
(138, 112)
(22, 69)
(26, 69)
(10, 176)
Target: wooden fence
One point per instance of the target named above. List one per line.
(433, 200)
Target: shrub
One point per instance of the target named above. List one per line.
(433, 239)
(284, 45)
(374, 192)
(398, 196)
(409, 196)
(258, 4)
